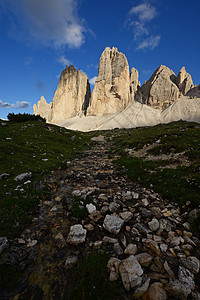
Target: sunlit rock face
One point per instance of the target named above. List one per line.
(160, 90)
(72, 96)
(111, 93)
(184, 81)
(43, 109)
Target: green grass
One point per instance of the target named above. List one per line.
(90, 278)
(39, 148)
(79, 209)
(179, 184)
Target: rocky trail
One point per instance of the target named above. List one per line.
(153, 253)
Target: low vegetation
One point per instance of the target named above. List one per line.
(90, 278)
(34, 147)
(24, 117)
(169, 161)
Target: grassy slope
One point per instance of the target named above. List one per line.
(30, 145)
(180, 184)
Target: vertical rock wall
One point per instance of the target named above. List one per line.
(72, 96)
(111, 93)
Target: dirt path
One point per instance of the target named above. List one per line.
(155, 227)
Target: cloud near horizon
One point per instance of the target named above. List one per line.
(150, 43)
(48, 21)
(18, 105)
(64, 61)
(93, 80)
(139, 18)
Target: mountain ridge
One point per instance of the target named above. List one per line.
(116, 89)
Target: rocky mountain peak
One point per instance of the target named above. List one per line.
(43, 109)
(184, 81)
(161, 89)
(111, 93)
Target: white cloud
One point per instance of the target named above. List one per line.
(140, 17)
(22, 104)
(48, 21)
(139, 29)
(145, 12)
(63, 60)
(149, 43)
(19, 104)
(5, 104)
(93, 80)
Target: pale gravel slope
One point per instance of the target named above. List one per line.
(138, 115)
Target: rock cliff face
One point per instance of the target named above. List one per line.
(115, 89)
(43, 109)
(111, 93)
(184, 81)
(134, 83)
(72, 96)
(161, 89)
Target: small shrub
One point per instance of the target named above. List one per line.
(79, 209)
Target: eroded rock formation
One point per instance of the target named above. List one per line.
(43, 109)
(161, 89)
(72, 96)
(115, 89)
(111, 93)
(184, 81)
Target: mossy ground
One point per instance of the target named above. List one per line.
(31, 147)
(170, 177)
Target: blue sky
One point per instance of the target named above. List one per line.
(38, 38)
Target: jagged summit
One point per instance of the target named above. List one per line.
(111, 93)
(116, 89)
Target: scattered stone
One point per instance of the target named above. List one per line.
(4, 244)
(23, 176)
(97, 244)
(60, 241)
(131, 272)
(90, 208)
(178, 289)
(191, 265)
(89, 227)
(71, 261)
(76, 193)
(32, 243)
(107, 239)
(126, 216)
(154, 224)
(113, 207)
(103, 197)
(155, 292)
(169, 270)
(186, 277)
(95, 216)
(104, 210)
(118, 249)
(4, 176)
(141, 228)
(113, 266)
(131, 249)
(77, 235)
(151, 245)
(139, 292)
(113, 224)
(144, 259)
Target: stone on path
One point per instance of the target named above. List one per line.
(155, 292)
(131, 272)
(113, 224)
(77, 235)
(23, 176)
